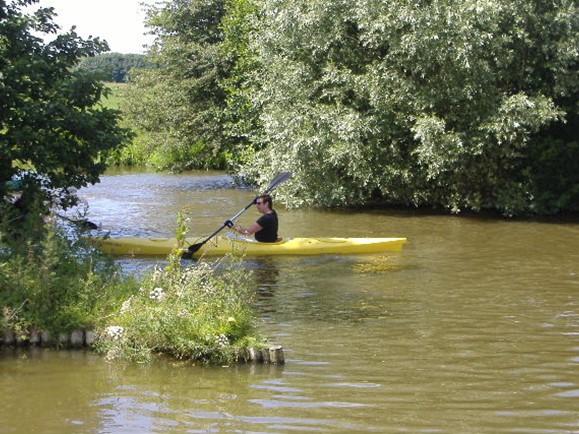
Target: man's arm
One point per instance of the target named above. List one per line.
(256, 227)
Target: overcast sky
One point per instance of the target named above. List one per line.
(119, 22)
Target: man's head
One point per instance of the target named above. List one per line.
(264, 203)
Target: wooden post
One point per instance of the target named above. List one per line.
(89, 338)
(273, 355)
(252, 354)
(63, 340)
(276, 355)
(34, 337)
(45, 339)
(77, 338)
(265, 356)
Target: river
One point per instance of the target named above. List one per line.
(473, 328)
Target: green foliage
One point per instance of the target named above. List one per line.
(463, 105)
(114, 67)
(53, 134)
(115, 94)
(178, 108)
(201, 312)
(180, 233)
(57, 285)
(241, 120)
(198, 312)
(444, 103)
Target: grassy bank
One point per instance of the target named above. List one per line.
(57, 284)
(138, 152)
(116, 94)
(202, 312)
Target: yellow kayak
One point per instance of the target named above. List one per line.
(220, 246)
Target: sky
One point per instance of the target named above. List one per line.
(119, 22)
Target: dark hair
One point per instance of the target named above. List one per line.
(266, 198)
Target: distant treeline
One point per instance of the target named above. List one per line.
(455, 104)
(115, 67)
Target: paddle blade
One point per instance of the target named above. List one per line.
(186, 255)
(191, 250)
(279, 179)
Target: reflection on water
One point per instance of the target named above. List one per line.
(473, 328)
(266, 274)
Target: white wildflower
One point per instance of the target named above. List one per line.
(126, 306)
(207, 288)
(157, 294)
(222, 340)
(157, 274)
(115, 332)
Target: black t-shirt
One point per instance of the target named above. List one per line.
(269, 224)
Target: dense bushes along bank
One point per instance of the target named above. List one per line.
(147, 148)
(449, 103)
(202, 312)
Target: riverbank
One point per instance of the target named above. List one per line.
(61, 292)
(87, 339)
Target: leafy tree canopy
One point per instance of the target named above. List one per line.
(180, 105)
(52, 131)
(460, 104)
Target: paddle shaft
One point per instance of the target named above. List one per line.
(223, 226)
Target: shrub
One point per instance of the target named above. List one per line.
(57, 284)
(200, 312)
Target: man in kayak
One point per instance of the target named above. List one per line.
(265, 228)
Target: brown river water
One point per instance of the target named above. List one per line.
(473, 328)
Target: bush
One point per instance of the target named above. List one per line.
(462, 105)
(198, 312)
(57, 284)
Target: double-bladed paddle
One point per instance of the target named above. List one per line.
(279, 179)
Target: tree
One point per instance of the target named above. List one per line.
(53, 134)
(180, 105)
(241, 119)
(448, 103)
(459, 104)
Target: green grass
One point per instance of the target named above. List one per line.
(201, 312)
(57, 284)
(141, 150)
(116, 95)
